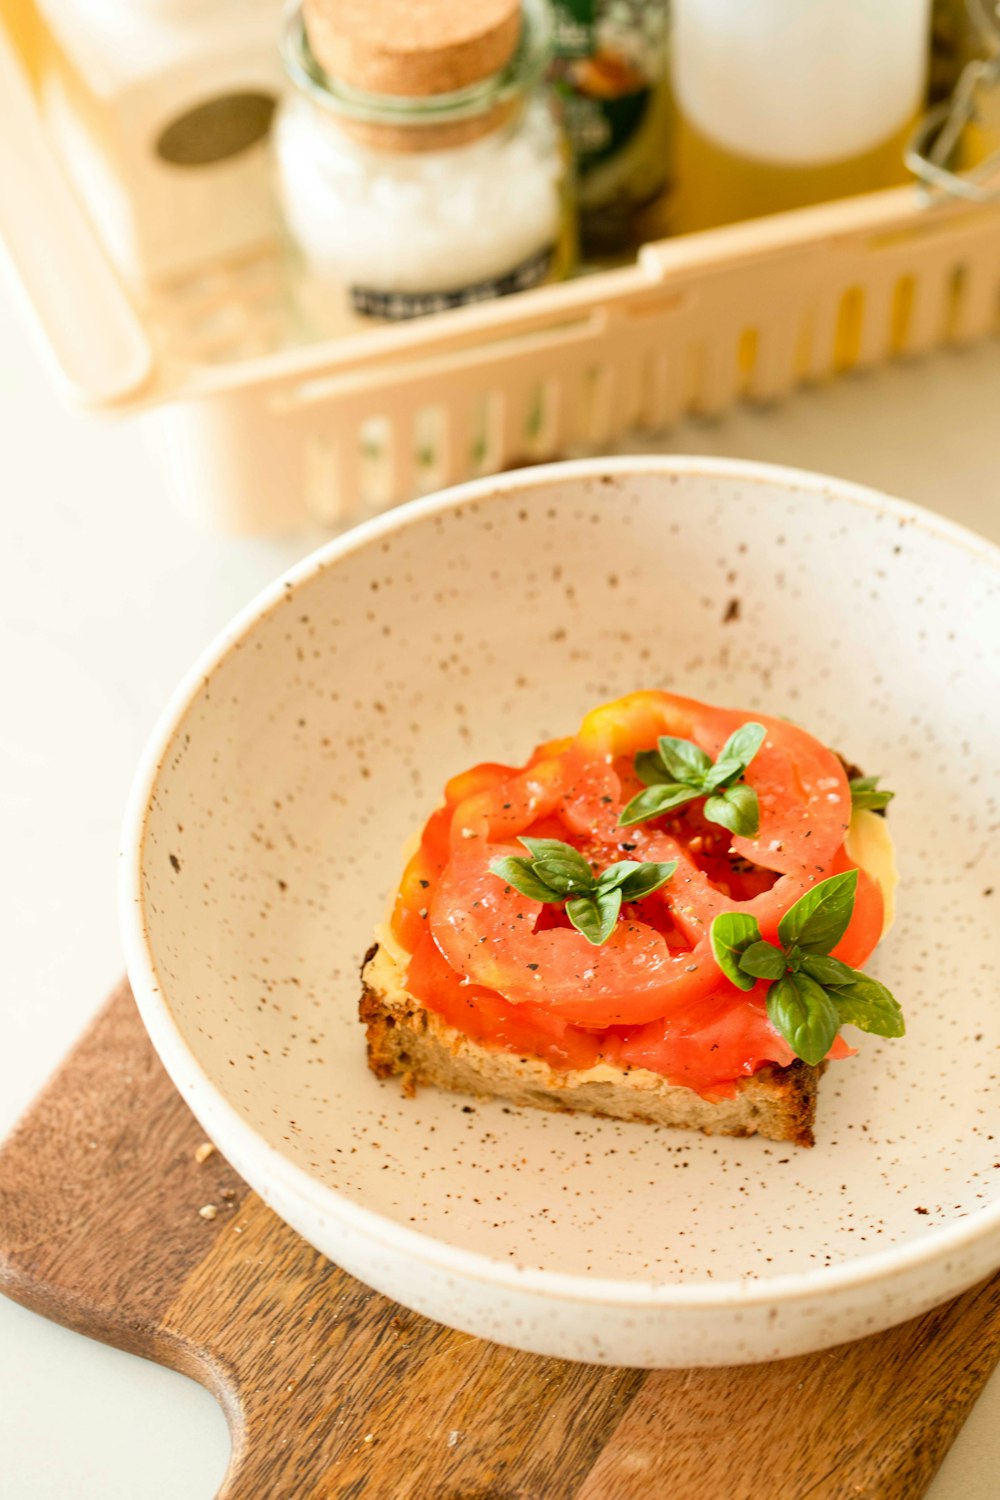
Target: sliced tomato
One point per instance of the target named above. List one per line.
(805, 802)
(805, 806)
(717, 1043)
(865, 927)
(653, 990)
(409, 913)
(479, 779)
(710, 1048)
(583, 791)
(490, 1020)
(490, 933)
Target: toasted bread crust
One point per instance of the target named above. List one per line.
(408, 1041)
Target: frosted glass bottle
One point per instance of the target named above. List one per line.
(783, 103)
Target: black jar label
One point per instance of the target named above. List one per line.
(371, 302)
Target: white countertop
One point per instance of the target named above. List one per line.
(105, 598)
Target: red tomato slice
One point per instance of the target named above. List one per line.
(580, 789)
(865, 927)
(805, 804)
(803, 792)
(488, 1019)
(409, 914)
(710, 1048)
(489, 932)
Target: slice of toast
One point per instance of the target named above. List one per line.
(409, 1041)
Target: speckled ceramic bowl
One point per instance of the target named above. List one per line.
(264, 837)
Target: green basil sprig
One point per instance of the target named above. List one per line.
(865, 792)
(558, 872)
(810, 995)
(678, 771)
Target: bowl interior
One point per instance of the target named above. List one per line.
(317, 745)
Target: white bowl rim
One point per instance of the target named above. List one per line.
(243, 1144)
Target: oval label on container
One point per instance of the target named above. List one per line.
(216, 130)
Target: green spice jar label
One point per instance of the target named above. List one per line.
(610, 56)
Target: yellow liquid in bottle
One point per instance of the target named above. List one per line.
(21, 21)
(718, 186)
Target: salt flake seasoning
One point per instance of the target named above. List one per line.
(420, 164)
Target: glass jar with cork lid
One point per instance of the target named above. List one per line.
(420, 164)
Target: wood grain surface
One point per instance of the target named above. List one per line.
(331, 1391)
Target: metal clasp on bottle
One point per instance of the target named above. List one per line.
(931, 151)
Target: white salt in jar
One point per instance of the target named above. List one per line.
(421, 168)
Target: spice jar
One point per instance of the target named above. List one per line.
(787, 102)
(420, 164)
(612, 77)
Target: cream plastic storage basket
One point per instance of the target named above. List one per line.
(260, 434)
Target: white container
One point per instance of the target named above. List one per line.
(161, 112)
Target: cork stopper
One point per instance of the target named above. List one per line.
(412, 48)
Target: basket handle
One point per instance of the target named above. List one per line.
(89, 331)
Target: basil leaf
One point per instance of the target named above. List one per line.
(732, 933)
(650, 769)
(521, 875)
(684, 760)
(654, 801)
(803, 1013)
(737, 809)
(644, 879)
(547, 848)
(829, 972)
(819, 919)
(744, 743)
(560, 865)
(723, 772)
(567, 880)
(616, 874)
(595, 916)
(865, 793)
(557, 870)
(868, 1004)
(764, 961)
(678, 764)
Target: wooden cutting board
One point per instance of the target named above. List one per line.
(332, 1391)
